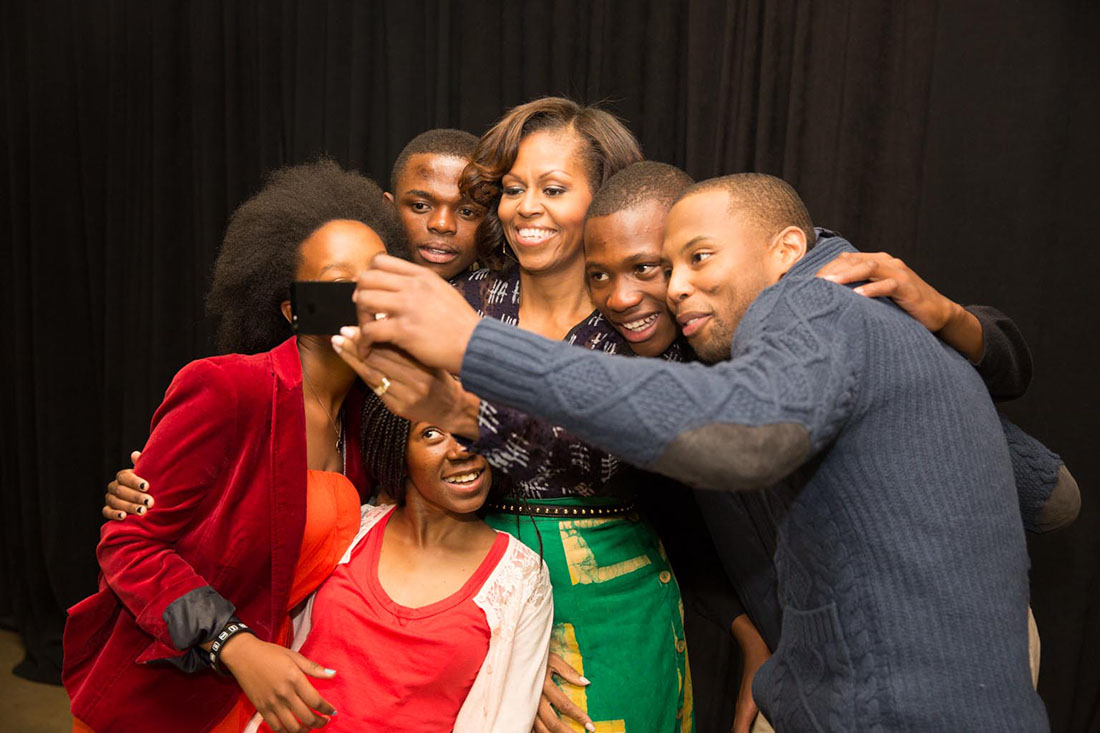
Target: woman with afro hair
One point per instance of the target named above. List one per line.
(257, 472)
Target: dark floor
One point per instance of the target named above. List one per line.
(28, 707)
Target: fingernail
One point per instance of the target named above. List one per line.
(584, 681)
(146, 502)
(121, 515)
(329, 671)
(590, 727)
(858, 290)
(142, 487)
(347, 332)
(338, 343)
(831, 278)
(141, 510)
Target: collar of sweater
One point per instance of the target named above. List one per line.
(829, 245)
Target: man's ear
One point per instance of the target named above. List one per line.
(787, 248)
(285, 308)
(388, 196)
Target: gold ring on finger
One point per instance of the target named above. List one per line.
(382, 387)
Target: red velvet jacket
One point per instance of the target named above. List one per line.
(226, 461)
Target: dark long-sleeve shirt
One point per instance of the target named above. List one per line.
(542, 460)
(1005, 365)
(901, 562)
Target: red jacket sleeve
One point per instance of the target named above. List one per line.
(193, 432)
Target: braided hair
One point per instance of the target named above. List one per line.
(385, 441)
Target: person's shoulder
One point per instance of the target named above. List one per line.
(813, 297)
(371, 514)
(805, 315)
(200, 392)
(474, 279)
(230, 363)
(520, 559)
(679, 351)
(480, 273)
(208, 372)
(492, 293)
(475, 285)
(243, 379)
(807, 299)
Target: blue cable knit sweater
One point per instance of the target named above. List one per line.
(902, 565)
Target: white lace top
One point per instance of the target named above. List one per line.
(519, 609)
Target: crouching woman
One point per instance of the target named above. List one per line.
(435, 621)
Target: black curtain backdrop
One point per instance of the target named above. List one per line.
(960, 136)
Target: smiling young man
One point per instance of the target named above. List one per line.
(622, 253)
(902, 565)
(725, 594)
(440, 223)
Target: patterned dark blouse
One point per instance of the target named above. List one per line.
(542, 460)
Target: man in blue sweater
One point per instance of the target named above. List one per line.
(902, 565)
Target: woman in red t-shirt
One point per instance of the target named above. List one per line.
(432, 620)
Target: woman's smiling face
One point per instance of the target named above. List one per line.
(544, 198)
(443, 472)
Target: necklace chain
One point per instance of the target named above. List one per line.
(338, 430)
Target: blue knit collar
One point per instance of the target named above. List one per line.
(829, 246)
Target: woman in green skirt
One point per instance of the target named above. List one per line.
(618, 617)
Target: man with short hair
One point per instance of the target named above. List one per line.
(902, 564)
(727, 594)
(440, 223)
(622, 253)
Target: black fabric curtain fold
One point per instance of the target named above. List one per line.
(959, 136)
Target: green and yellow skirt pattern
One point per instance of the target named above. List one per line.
(618, 617)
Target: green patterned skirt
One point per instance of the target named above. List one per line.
(618, 617)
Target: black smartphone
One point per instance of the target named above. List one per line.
(322, 307)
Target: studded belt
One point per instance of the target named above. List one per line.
(510, 506)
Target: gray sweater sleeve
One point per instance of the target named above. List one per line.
(1048, 493)
(741, 424)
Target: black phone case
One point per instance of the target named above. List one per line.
(322, 307)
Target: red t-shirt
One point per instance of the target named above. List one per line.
(397, 668)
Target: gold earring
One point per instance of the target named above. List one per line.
(504, 250)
